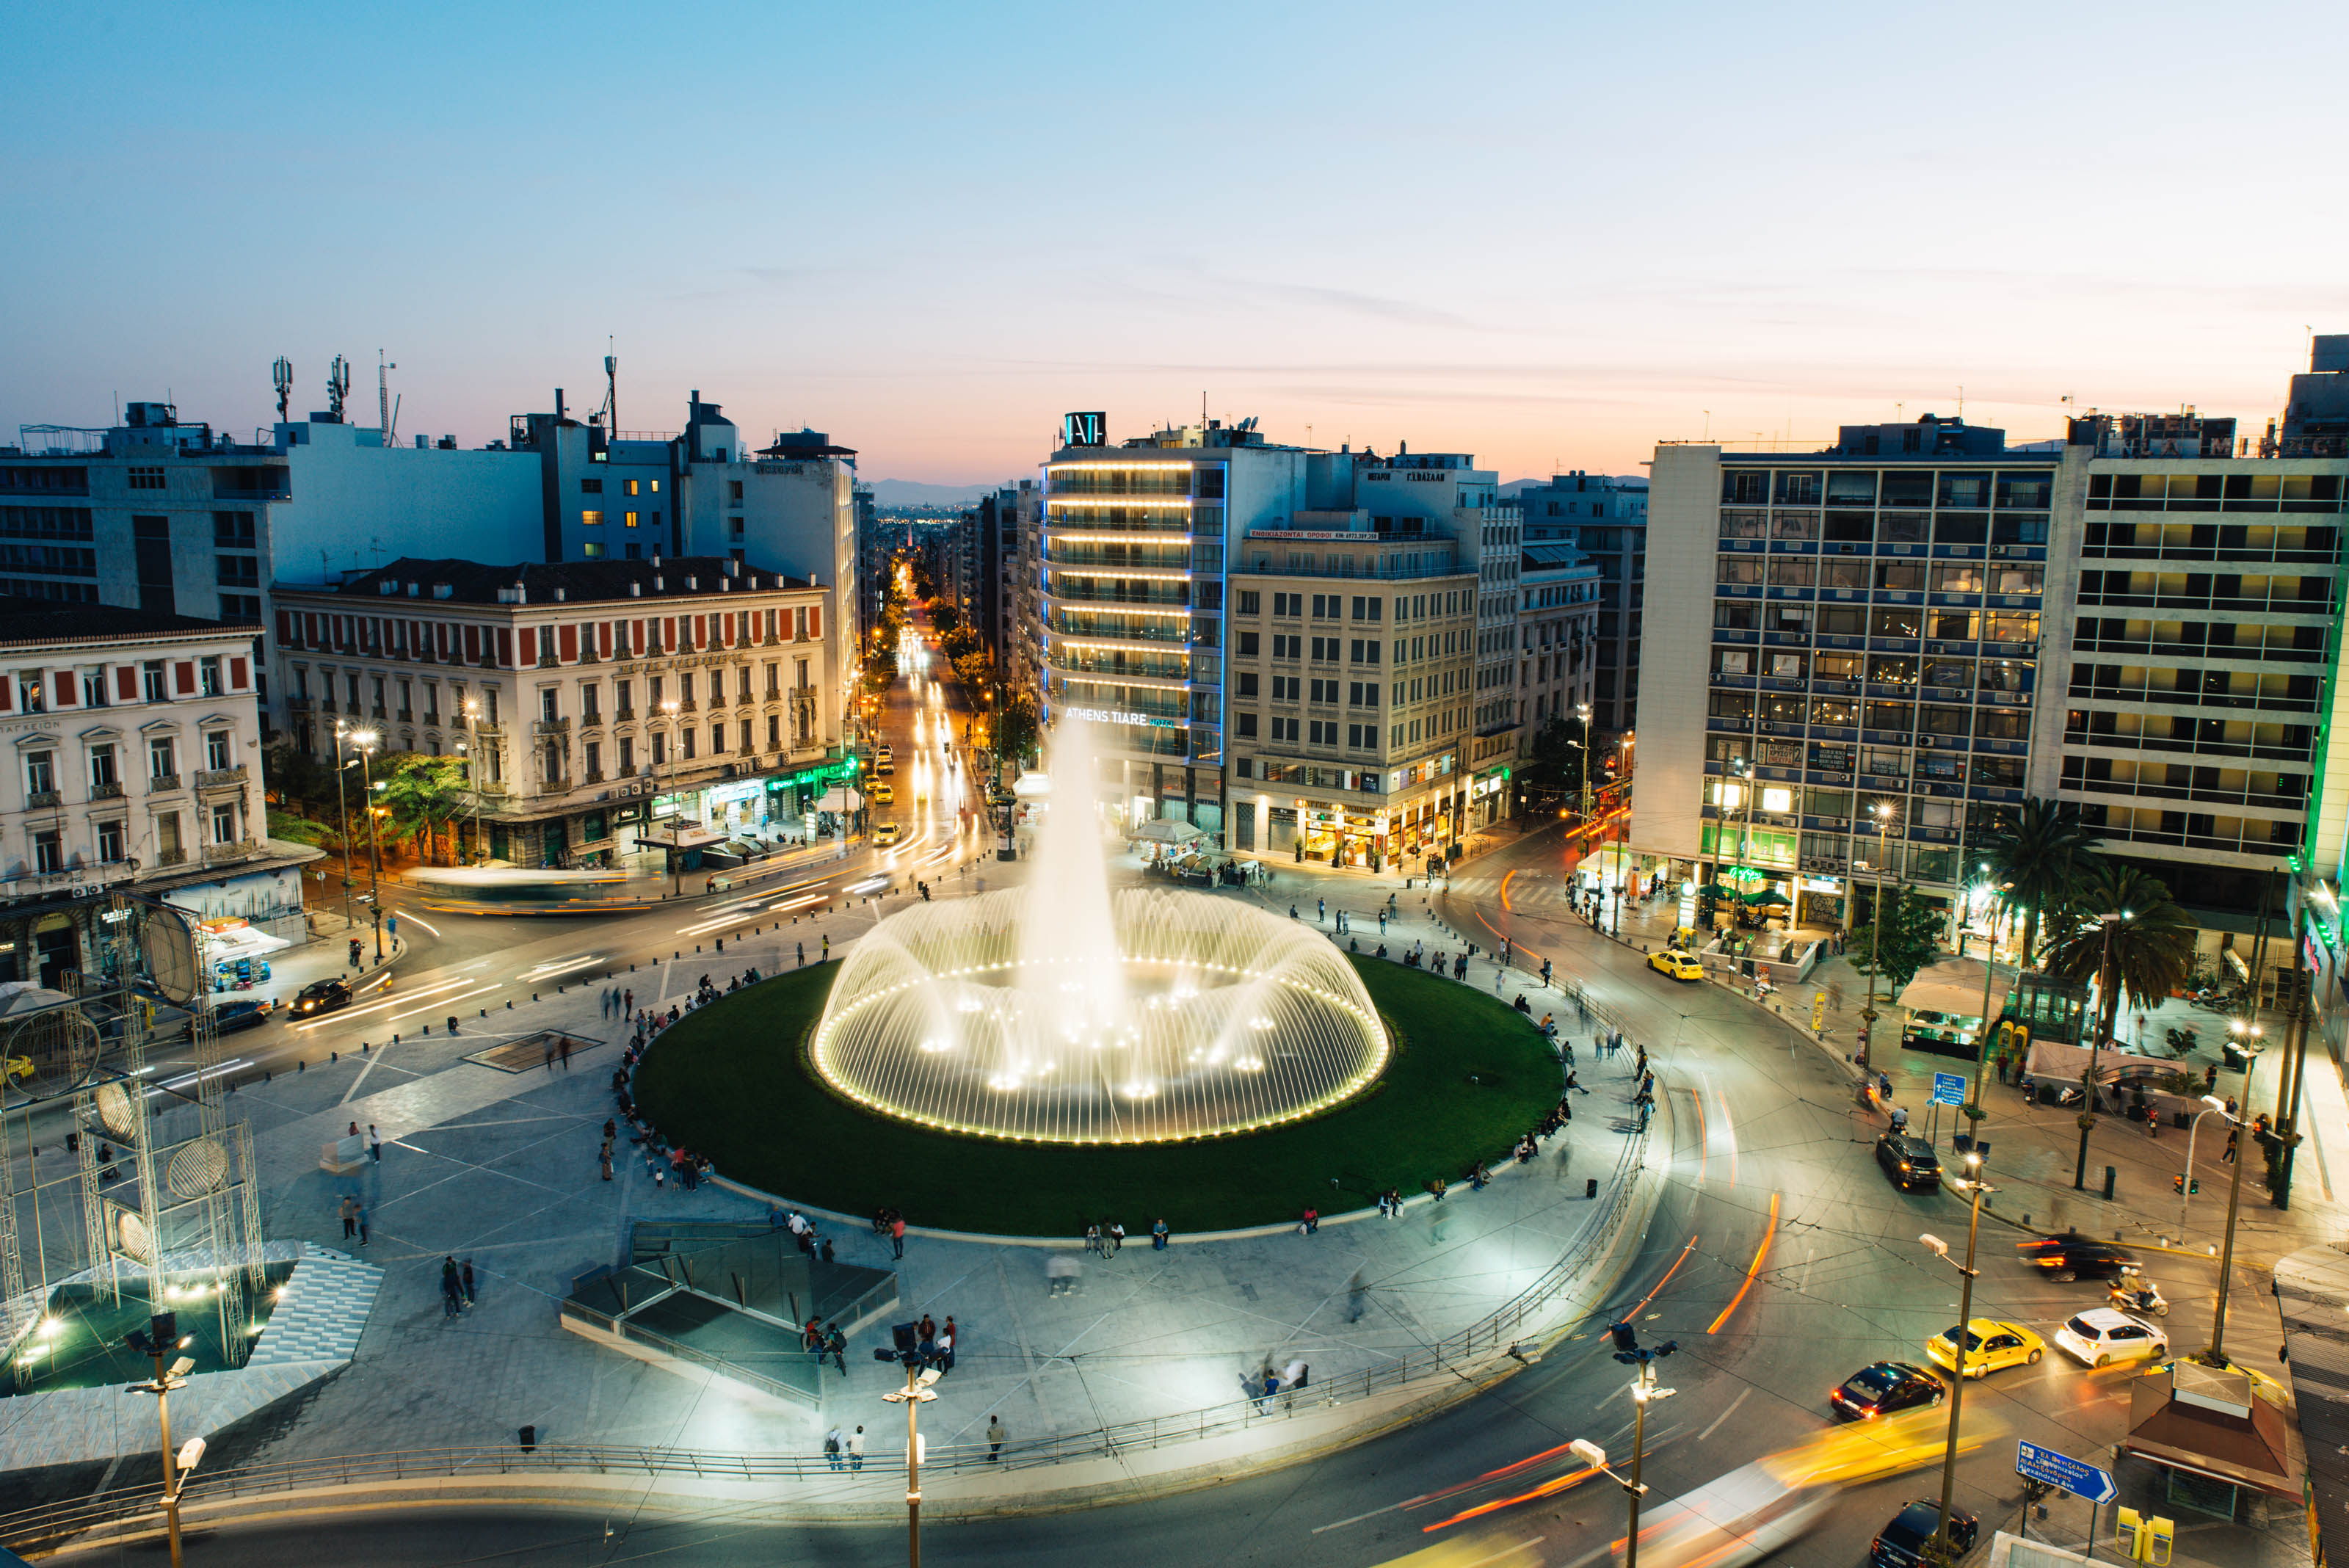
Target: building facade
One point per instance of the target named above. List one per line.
(134, 745)
(602, 703)
(1606, 517)
(1558, 620)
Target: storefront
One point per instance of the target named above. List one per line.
(1488, 797)
(1818, 902)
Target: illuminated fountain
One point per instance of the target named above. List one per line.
(1063, 1012)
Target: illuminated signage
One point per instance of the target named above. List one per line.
(1084, 430)
(1112, 716)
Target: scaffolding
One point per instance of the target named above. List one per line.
(114, 1177)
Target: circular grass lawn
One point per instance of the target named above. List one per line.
(1467, 1077)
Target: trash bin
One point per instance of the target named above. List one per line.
(529, 1439)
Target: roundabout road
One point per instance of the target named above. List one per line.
(1780, 1261)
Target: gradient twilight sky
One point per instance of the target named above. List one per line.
(1539, 233)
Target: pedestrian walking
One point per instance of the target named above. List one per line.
(827, 948)
(375, 1145)
(363, 1225)
(836, 1343)
(1321, 910)
(550, 1055)
(996, 1434)
(857, 1449)
(628, 1001)
(604, 1157)
(350, 1218)
(565, 1049)
(896, 1237)
(467, 1274)
(832, 1445)
(449, 1286)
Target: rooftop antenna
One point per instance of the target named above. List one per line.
(1961, 402)
(1708, 424)
(386, 409)
(611, 410)
(281, 376)
(338, 387)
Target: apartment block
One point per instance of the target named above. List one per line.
(1557, 642)
(1606, 517)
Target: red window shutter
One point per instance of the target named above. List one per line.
(183, 678)
(237, 682)
(604, 637)
(8, 695)
(669, 632)
(529, 644)
(284, 628)
(701, 631)
(505, 647)
(66, 690)
(636, 636)
(568, 638)
(126, 683)
(815, 622)
(472, 645)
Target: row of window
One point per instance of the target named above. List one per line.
(1837, 712)
(2028, 489)
(688, 687)
(46, 523)
(1352, 607)
(658, 751)
(1906, 622)
(590, 517)
(88, 687)
(1907, 576)
(112, 838)
(1360, 737)
(632, 486)
(103, 766)
(2015, 529)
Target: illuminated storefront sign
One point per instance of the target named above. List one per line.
(1114, 716)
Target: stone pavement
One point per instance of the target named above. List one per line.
(499, 1169)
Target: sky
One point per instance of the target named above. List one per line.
(1551, 234)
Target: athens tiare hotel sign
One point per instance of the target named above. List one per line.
(1112, 716)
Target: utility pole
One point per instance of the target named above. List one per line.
(675, 807)
(2295, 1060)
(2108, 1007)
(159, 1338)
(2216, 1355)
(366, 742)
(916, 1393)
(1868, 1015)
(343, 808)
(1945, 1549)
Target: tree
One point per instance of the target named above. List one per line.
(1911, 935)
(2036, 860)
(1557, 757)
(420, 796)
(946, 617)
(294, 829)
(2145, 948)
(1016, 729)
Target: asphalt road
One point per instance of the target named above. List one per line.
(1781, 1261)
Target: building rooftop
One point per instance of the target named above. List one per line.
(1554, 557)
(49, 623)
(563, 582)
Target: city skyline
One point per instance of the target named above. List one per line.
(1553, 245)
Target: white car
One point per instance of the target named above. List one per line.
(2102, 1335)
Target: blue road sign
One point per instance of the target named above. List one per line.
(2035, 1463)
(1949, 1089)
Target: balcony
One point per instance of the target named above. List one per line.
(623, 716)
(593, 776)
(218, 854)
(551, 727)
(43, 800)
(216, 778)
(162, 784)
(111, 789)
(171, 858)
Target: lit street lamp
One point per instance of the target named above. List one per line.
(1644, 1392)
(1944, 1547)
(676, 806)
(916, 1393)
(366, 742)
(2246, 1045)
(157, 1339)
(2186, 1181)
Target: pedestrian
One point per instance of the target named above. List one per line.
(1158, 1234)
(1271, 1387)
(1312, 1221)
(2229, 1158)
(1116, 1236)
(565, 1049)
(802, 963)
(832, 1447)
(550, 1055)
(827, 948)
(946, 1345)
(375, 1145)
(603, 1157)
(857, 1449)
(1321, 910)
(450, 1287)
(896, 1237)
(1093, 1241)
(628, 1001)
(836, 1343)
(363, 1225)
(350, 1217)
(467, 1274)
(995, 1437)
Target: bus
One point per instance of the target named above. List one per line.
(506, 890)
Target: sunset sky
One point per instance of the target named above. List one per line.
(1546, 233)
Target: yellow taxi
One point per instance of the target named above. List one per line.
(885, 834)
(884, 793)
(1676, 963)
(1990, 1345)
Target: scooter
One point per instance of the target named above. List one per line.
(2133, 1292)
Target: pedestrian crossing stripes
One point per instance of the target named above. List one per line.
(322, 1311)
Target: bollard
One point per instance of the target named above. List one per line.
(1591, 1186)
(721, 945)
(363, 1047)
(395, 1039)
(510, 1005)
(485, 1013)
(265, 1075)
(2109, 1175)
(300, 1066)
(696, 947)
(338, 1056)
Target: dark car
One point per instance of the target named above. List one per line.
(1909, 1160)
(1884, 1390)
(321, 996)
(2072, 1256)
(228, 1017)
(1901, 1543)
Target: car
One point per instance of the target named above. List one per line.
(1989, 1347)
(1901, 1543)
(321, 996)
(19, 1069)
(884, 793)
(886, 834)
(886, 754)
(2072, 1256)
(2102, 1335)
(884, 767)
(228, 1017)
(1909, 1160)
(1676, 963)
(1885, 1389)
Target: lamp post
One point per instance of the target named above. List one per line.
(1644, 1393)
(1582, 713)
(2186, 1182)
(1944, 1548)
(366, 742)
(2248, 1048)
(157, 1339)
(2108, 1005)
(915, 1394)
(676, 806)
(343, 808)
(1868, 1015)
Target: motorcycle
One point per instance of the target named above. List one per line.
(2133, 1292)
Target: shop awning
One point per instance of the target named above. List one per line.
(1167, 832)
(1954, 986)
(1031, 786)
(840, 797)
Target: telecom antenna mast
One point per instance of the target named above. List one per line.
(611, 410)
(281, 376)
(338, 387)
(386, 411)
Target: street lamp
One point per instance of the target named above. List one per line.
(366, 742)
(916, 1393)
(1945, 1548)
(1868, 1015)
(473, 771)
(2246, 1037)
(2186, 1181)
(159, 1338)
(676, 806)
(2108, 1005)
(343, 807)
(1644, 1393)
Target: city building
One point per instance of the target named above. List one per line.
(1557, 619)
(1605, 517)
(1144, 545)
(135, 740)
(603, 704)
(1871, 654)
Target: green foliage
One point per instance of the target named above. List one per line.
(1015, 728)
(2035, 858)
(2152, 948)
(420, 796)
(946, 617)
(1911, 935)
(294, 829)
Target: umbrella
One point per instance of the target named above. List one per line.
(1715, 890)
(1767, 896)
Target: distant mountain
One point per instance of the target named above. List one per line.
(889, 493)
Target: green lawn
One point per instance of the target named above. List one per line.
(731, 1081)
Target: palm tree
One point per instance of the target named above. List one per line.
(2129, 936)
(2035, 858)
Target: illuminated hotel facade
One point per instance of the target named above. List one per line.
(1277, 644)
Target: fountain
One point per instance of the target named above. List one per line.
(1064, 1013)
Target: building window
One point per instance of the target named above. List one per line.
(549, 705)
(223, 825)
(146, 479)
(111, 844)
(592, 550)
(163, 758)
(660, 748)
(628, 754)
(629, 520)
(718, 739)
(150, 681)
(594, 760)
(591, 519)
(220, 750)
(48, 852)
(30, 697)
(40, 772)
(635, 487)
(1247, 725)
(591, 487)
(102, 766)
(93, 688)
(208, 677)
(745, 728)
(774, 732)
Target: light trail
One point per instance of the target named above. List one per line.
(347, 1013)
(1753, 1270)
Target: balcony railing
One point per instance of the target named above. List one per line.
(213, 778)
(164, 784)
(552, 727)
(42, 799)
(111, 789)
(215, 854)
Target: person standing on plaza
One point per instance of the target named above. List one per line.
(836, 1343)
(467, 1275)
(604, 1156)
(832, 1445)
(996, 1435)
(350, 1217)
(363, 1228)
(857, 1449)
(375, 1145)
(896, 1239)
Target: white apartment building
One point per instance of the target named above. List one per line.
(603, 703)
(1557, 644)
(134, 765)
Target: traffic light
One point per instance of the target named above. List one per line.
(1627, 1341)
(2178, 1184)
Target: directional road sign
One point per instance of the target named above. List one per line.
(2035, 1463)
(1949, 1089)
